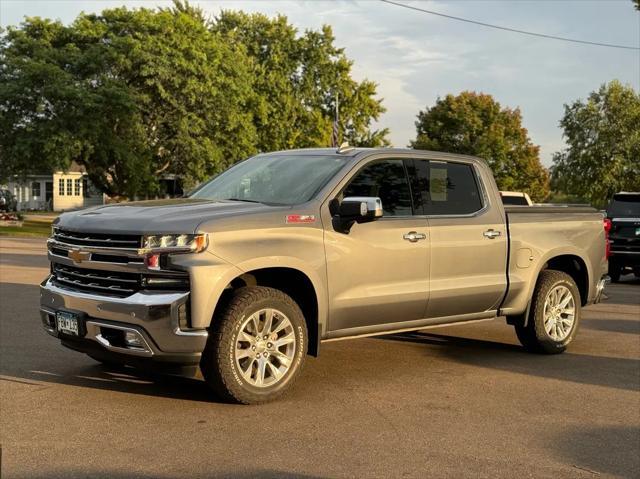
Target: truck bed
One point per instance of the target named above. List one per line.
(539, 233)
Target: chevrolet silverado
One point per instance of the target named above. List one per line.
(245, 277)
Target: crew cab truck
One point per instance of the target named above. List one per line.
(251, 272)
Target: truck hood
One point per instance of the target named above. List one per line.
(182, 215)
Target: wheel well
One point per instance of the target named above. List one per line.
(575, 267)
(290, 281)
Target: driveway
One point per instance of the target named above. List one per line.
(459, 401)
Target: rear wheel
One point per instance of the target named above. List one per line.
(256, 347)
(554, 315)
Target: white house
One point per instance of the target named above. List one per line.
(60, 191)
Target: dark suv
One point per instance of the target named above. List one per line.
(624, 213)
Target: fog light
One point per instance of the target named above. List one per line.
(133, 339)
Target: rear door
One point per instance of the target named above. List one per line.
(468, 239)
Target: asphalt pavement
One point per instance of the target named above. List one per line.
(459, 401)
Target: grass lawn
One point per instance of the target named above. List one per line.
(33, 226)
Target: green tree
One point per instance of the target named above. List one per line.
(135, 94)
(129, 94)
(297, 78)
(475, 124)
(603, 144)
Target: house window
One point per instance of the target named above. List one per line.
(69, 187)
(76, 188)
(61, 187)
(35, 189)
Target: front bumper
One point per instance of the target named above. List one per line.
(151, 315)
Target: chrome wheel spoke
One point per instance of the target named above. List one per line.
(275, 372)
(260, 373)
(247, 338)
(248, 369)
(282, 358)
(284, 340)
(268, 321)
(244, 353)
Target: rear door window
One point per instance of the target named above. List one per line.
(446, 188)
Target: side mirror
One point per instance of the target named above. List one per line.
(360, 208)
(354, 209)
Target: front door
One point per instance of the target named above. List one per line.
(378, 273)
(468, 240)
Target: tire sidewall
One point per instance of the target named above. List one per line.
(236, 381)
(546, 341)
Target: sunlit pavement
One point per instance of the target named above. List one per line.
(461, 401)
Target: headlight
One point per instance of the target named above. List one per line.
(175, 243)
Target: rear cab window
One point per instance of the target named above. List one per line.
(443, 188)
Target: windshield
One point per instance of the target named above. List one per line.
(273, 179)
(627, 205)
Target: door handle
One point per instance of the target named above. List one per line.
(491, 234)
(413, 236)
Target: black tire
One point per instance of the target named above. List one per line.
(636, 271)
(615, 271)
(218, 363)
(533, 336)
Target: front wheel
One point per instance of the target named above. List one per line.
(256, 347)
(554, 315)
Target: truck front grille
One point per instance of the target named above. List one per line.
(111, 283)
(97, 239)
(107, 283)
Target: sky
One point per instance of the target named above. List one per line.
(416, 57)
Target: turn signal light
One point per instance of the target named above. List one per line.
(607, 242)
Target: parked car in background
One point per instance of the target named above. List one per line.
(7, 200)
(515, 198)
(623, 218)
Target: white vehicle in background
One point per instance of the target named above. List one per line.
(515, 198)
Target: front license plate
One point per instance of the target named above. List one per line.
(67, 322)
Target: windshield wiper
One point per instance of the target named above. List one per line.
(242, 199)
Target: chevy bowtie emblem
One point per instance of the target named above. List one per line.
(78, 256)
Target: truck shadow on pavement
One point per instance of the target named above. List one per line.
(579, 368)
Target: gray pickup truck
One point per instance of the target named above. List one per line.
(251, 272)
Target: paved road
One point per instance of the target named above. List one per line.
(462, 401)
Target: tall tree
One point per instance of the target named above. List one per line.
(130, 95)
(135, 94)
(297, 78)
(603, 144)
(475, 124)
